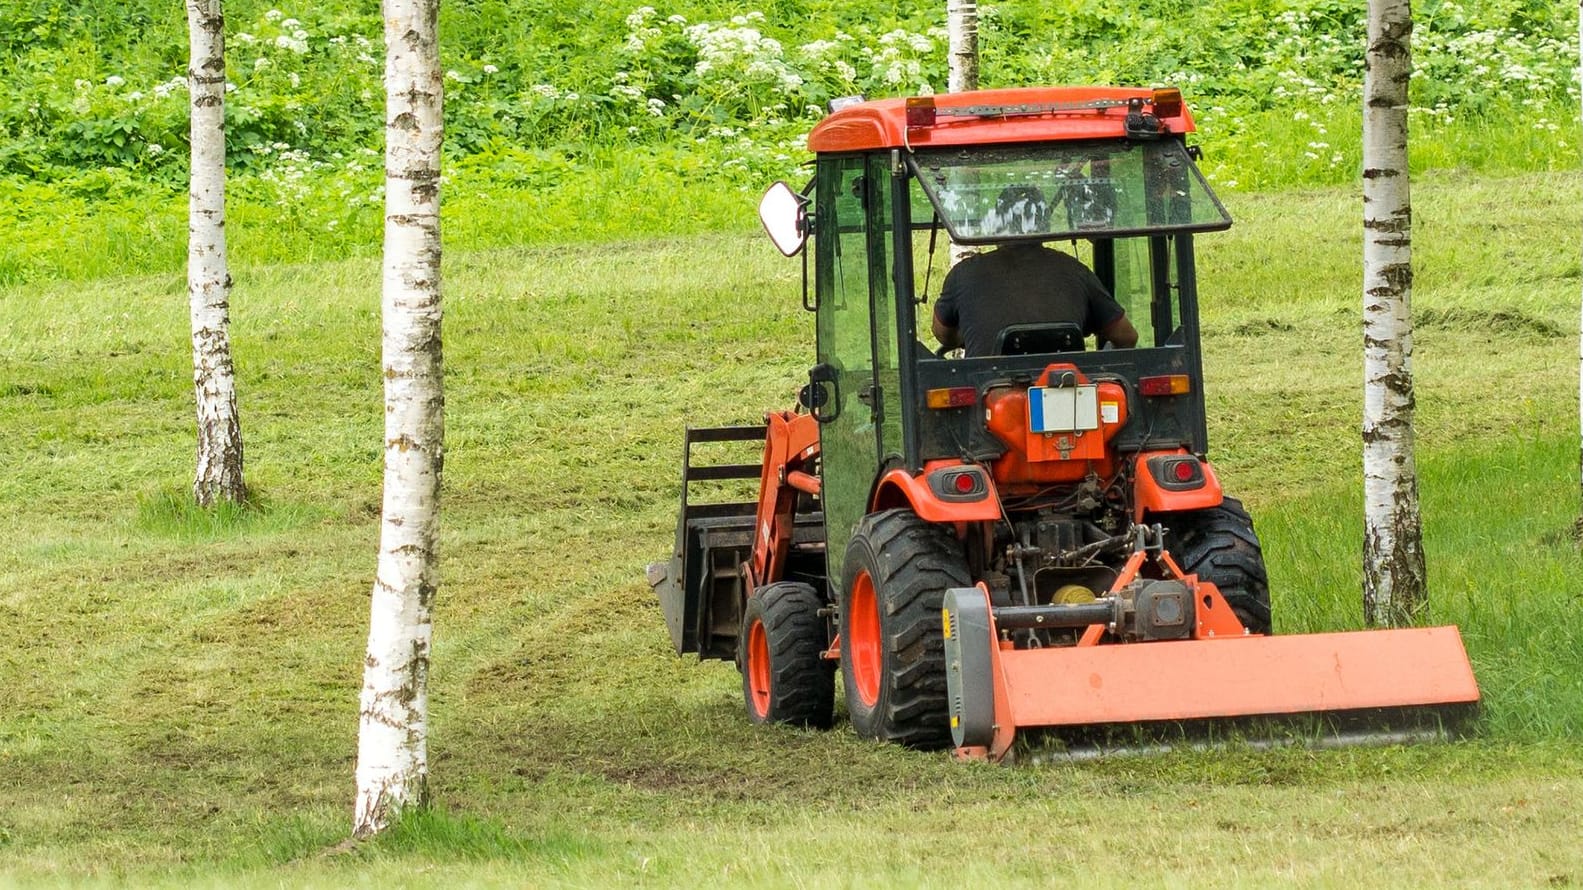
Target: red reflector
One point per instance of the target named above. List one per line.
(920, 112)
(954, 397)
(965, 482)
(1184, 471)
(1164, 385)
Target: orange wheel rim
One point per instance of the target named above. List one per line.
(758, 669)
(863, 650)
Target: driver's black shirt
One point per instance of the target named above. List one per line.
(1021, 284)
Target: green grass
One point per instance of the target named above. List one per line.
(178, 699)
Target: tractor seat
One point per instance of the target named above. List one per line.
(1030, 339)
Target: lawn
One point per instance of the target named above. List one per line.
(180, 694)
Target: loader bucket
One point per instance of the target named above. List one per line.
(1381, 677)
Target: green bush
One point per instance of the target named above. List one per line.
(702, 97)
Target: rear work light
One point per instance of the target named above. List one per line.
(1167, 102)
(952, 397)
(1164, 385)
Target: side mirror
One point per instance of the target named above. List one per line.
(784, 214)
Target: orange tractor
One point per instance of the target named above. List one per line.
(1032, 539)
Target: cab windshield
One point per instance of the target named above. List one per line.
(1047, 191)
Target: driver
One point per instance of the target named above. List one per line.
(1024, 283)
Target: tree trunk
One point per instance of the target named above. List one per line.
(1577, 530)
(1393, 558)
(392, 758)
(219, 465)
(961, 22)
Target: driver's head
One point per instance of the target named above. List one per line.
(1021, 210)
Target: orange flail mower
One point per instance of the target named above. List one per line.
(1031, 540)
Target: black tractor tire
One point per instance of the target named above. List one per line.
(785, 678)
(897, 570)
(1220, 546)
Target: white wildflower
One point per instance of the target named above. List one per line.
(639, 16)
(114, 80)
(491, 69)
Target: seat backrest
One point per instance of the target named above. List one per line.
(1027, 339)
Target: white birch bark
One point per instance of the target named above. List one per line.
(392, 754)
(1393, 558)
(219, 464)
(961, 23)
(1578, 528)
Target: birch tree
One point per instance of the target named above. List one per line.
(219, 465)
(392, 753)
(961, 22)
(1393, 558)
(1578, 528)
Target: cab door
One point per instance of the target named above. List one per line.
(851, 281)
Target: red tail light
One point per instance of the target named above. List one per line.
(1164, 385)
(951, 397)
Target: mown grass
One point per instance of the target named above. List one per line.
(179, 697)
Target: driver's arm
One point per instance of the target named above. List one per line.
(1119, 333)
(949, 337)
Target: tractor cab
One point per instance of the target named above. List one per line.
(1100, 173)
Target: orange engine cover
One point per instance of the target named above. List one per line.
(1066, 455)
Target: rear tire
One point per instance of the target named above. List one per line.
(785, 678)
(897, 570)
(1220, 546)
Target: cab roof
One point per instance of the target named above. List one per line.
(983, 117)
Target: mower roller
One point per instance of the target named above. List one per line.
(1031, 540)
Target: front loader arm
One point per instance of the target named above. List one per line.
(791, 445)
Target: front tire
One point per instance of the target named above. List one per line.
(785, 678)
(897, 570)
(1220, 546)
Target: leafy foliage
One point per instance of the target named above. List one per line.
(706, 95)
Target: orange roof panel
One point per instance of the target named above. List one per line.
(985, 117)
